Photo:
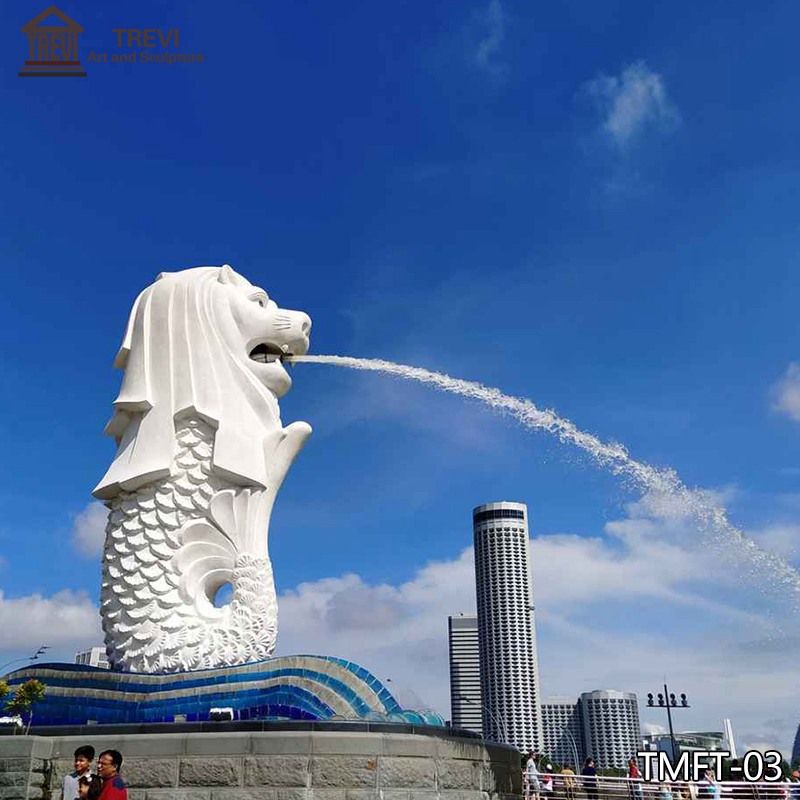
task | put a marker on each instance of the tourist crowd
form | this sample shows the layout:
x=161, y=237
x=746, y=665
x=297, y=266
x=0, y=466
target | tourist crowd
x=542, y=782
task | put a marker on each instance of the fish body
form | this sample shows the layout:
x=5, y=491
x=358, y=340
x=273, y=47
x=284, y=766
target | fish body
x=170, y=547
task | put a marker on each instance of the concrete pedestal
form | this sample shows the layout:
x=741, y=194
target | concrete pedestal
x=316, y=761
x=25, y=767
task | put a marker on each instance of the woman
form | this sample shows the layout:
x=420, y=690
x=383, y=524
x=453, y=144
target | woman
x=635, y=779
x=532, y=786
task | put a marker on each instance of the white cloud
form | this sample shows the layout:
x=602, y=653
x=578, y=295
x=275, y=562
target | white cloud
x=600, y=569
x=617, y=610
x=66, y=622
x=487, y=52
x=631, y=102
x=786, y=392
x=89, y=530
x=652, y=727
x=613, y=611
x=395, y=631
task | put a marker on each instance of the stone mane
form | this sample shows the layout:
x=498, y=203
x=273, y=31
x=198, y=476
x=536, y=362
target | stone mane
x=201, y=456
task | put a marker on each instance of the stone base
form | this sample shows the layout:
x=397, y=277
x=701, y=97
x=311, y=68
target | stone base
x=25, y=767
x=283, y=764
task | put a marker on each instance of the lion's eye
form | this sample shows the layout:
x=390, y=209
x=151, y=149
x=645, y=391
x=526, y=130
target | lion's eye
x=261, y=299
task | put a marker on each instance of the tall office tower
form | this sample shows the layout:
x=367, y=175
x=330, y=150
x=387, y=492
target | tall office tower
x=562, y=730
x=796, y=748
x=611, y=727
x=506, y=633
x=465, y=672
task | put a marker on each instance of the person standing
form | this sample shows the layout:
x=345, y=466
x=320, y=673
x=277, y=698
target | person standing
x=708, y=788
x=569, y=782
x=589, y=773
x=84, y=756
x=109, y=763
x=794, y=789
x=532, y=786
x=635, y=779
x=547, y=780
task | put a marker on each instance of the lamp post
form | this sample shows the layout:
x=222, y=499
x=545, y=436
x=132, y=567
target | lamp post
x=668, y=700
x=34, y=657
x=498, y=720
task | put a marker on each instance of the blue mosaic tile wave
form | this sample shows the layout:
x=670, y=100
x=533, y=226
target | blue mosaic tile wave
x=303, y=687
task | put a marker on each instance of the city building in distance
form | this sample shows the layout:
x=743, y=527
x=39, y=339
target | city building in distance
x=611, y=726
x=506, y=632
x=499, y=645
x=93, y=657
x=687, y=741
x=466, y=706
x=603, y=724
x=562, y=730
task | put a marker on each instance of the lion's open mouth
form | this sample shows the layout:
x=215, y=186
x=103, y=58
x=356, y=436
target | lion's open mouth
x=267, y=353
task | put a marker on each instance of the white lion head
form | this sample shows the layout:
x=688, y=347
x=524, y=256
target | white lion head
x=203, y=342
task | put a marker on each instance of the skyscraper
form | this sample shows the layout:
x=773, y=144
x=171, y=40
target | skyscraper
x=465, y=672
x=506, y=633
x=603, y=724
x=611, y=727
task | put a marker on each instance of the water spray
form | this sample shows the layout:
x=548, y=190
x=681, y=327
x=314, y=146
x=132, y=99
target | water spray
x=664, y=483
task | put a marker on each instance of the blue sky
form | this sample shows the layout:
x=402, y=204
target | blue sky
x=589, y=204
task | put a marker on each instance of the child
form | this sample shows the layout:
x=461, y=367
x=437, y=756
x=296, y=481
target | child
x=84, y=756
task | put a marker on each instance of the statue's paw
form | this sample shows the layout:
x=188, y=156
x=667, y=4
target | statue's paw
x=293, y=437
x=298, y=433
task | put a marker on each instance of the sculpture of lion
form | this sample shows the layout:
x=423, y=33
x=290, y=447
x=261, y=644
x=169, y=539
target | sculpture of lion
x=201, y=455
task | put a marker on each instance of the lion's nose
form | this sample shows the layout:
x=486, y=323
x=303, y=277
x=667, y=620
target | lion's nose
x=305, y=323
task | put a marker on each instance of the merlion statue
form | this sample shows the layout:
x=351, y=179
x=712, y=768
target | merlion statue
x=202, y=454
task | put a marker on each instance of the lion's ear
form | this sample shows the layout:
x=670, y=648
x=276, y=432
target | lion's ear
x=226, y=274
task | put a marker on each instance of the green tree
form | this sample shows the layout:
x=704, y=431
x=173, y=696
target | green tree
x=3, y=690
x=26, y=695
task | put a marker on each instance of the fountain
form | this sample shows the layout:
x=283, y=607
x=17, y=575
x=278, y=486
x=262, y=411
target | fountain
x=201, y=455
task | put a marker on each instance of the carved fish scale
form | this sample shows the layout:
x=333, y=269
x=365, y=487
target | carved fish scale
x=149, y=610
